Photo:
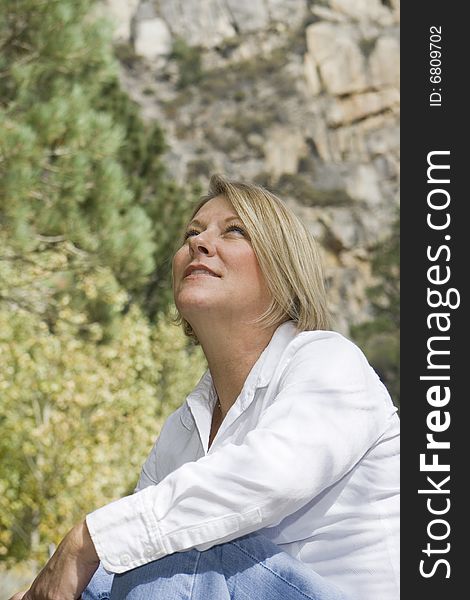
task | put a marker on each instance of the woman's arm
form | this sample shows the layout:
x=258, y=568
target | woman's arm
x=68, y=571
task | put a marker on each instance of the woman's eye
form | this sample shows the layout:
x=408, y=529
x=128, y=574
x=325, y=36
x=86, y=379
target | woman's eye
x=236, y=228
x=190, y=233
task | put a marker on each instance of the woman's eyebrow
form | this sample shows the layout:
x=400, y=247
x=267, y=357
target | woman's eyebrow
x=231, y=218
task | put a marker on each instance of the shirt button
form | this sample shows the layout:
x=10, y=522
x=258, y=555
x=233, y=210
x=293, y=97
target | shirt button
x=125, y=559
x=148, y=551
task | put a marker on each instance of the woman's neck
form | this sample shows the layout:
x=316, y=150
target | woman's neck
x=231, y=353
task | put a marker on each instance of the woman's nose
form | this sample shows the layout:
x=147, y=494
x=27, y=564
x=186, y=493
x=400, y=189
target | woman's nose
x=201, y=243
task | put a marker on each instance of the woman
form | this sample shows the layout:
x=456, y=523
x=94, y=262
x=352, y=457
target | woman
x=278, y=477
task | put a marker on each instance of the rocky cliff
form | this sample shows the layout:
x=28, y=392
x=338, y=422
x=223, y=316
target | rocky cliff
x=299, y=95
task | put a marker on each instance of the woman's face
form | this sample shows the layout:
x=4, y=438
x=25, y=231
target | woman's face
x=216, y=270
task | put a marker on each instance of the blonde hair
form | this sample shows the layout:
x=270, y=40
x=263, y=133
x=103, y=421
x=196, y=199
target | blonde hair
x=287, y=254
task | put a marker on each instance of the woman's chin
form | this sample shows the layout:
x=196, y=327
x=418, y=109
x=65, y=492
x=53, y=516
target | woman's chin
x=193, y=301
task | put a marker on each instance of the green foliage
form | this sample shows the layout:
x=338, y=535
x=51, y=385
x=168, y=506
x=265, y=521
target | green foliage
x=60, y=169
x=200, y=167
x=78, y=418
x=242, y=78
x=89, y=364
x=367, y=45
x=77, y=163
x=245, y=123
x=299, y=187
x=143, y=144
x=164, y=203
x=380, y=337
x=46, y=49
x=237, y=80
x=189, y=60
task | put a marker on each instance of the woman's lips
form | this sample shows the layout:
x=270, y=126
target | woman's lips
x=201, y=273
x=199, y=269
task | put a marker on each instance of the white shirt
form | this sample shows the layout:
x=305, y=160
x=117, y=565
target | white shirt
x=308, y=453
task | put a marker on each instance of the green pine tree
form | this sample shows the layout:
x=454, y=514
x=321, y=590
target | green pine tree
x=80, y=172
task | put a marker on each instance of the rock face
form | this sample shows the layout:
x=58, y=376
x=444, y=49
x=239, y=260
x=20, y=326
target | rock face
x=152, y=38
x=298, y=95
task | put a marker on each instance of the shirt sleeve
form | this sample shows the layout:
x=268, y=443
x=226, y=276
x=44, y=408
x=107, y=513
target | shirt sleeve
x=329, y=410
x=149, y=470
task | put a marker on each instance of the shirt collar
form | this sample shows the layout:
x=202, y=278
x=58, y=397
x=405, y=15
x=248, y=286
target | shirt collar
x=202, y=399
x=282, y=337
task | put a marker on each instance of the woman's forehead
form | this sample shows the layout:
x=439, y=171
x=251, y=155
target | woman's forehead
x=216, y=207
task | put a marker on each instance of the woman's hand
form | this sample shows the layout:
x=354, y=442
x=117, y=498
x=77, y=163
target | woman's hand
x=68, y=571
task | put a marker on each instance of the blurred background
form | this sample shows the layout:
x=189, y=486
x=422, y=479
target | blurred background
x=113, y=116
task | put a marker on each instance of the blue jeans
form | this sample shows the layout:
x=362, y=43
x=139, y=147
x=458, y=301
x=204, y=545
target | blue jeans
x=248, y=568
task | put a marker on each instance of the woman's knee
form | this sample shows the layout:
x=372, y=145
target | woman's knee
x=275, y=570
x=251, y=564
x=168, y=577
